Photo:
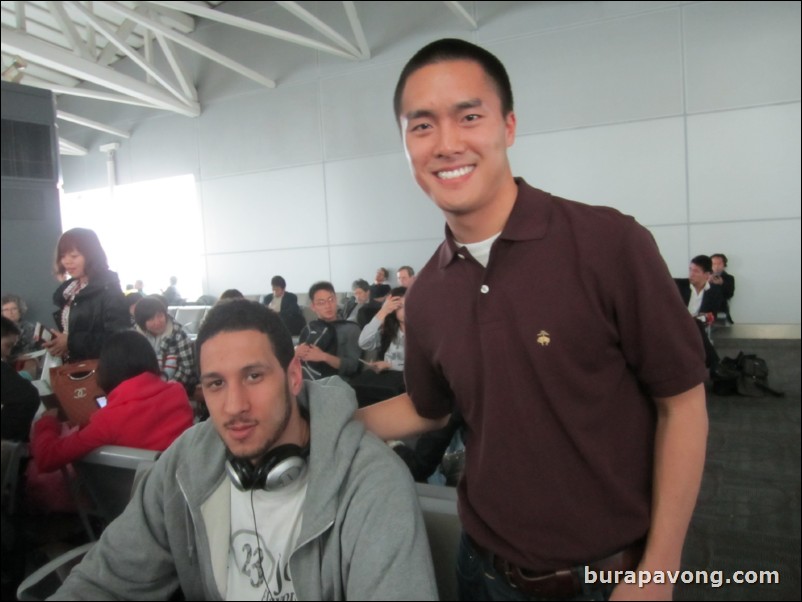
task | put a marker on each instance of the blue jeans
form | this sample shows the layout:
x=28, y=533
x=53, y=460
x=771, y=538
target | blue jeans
x=478, y=580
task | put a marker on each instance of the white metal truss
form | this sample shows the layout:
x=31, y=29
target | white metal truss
x=72, y=48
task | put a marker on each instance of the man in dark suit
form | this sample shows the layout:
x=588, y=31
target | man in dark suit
x=703, y=301
x=725, y=282
x=286, y=305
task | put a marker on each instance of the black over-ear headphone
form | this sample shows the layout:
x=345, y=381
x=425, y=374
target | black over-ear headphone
x=279, y=467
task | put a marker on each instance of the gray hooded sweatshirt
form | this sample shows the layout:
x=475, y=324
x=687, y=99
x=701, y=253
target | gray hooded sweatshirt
x=362, y=536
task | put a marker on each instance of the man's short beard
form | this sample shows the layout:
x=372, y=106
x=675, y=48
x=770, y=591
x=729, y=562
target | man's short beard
x=285, y=420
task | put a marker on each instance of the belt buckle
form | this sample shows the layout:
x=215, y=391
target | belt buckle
x=557, y=584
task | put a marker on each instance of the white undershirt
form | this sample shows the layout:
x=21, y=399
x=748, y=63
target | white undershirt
x=481, y=250
x=695, y=301
x=278, y=523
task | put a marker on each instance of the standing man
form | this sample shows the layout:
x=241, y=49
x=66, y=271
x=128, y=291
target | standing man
x=723, y=281
x=278, y=496
x=565, y=347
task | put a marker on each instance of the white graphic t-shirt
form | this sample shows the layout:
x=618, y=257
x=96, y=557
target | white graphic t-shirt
x=264, y=529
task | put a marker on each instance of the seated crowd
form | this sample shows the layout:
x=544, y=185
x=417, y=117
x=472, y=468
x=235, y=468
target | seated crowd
x=152, y=377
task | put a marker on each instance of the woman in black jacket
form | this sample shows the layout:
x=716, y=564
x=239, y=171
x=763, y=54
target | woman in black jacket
x=90, y=301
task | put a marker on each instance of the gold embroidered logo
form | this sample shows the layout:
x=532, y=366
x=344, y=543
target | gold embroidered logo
x=543, y=338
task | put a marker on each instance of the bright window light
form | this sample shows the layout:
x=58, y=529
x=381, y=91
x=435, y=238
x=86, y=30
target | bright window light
x=149, y=230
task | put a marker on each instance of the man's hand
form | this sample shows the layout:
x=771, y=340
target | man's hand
x=380, y=366
x=316, y=354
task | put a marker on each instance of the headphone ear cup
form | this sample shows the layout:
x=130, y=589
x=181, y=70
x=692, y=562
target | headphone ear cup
x=280, y=467
x=241, y=473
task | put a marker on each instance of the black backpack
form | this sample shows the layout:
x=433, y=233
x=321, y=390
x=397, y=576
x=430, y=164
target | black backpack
x=746, y=375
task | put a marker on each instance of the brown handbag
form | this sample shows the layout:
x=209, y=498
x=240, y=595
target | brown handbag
x=76, y=389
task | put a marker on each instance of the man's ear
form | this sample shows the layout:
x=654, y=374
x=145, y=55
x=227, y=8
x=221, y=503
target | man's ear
x=295, y=376
x=510, y=124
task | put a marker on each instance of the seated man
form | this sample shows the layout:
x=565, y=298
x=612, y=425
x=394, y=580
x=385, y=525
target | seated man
x=361, y=294
x=328, y=346
x=286, y=305
x=703, y=301
x=405, y=275
x=380, y=287
x=725, y=282
x=313, y=507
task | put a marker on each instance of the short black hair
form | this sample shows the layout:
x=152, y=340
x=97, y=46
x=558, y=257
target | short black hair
x=9, y=328
x=408, y=269
x=134, y=298
x=278, y=282
x=704, y=262
x=323, y=285
x=452, y=49
x=241, y=314
x=146, y=309
x=124, y=355
x=722, y=256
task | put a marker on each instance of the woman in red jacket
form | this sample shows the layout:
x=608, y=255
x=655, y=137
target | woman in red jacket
x=142, y=410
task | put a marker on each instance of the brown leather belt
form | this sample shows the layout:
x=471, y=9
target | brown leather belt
x=562, y=583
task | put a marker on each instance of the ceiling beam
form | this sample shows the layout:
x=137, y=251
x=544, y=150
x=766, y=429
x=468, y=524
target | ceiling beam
x=55, y=58
x=87, y=93
x=69, y=30
x=95, y=125
x=145, y=65
x=110, y=51
x=210, y=54
x=356, y=27
x=260, y=28
x=458, y=10
x=310, y=19
x=181, y=74
x=65, y=147
x=19, y=14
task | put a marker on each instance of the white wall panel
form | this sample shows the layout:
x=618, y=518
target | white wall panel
x=268, y=210
x=510, y=19
x=764, y=258
x=174, y=137
x=673, y=244
x=613, y=71
x=745, y=164
x=375, y=199
x=357, y=111
x=263, y=130
x=349, y=262
x=741, y=53
x=251, y=272
x=638, y=168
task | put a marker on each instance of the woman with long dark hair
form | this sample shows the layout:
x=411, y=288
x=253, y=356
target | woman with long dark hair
x=385, y=333
x=90, y=302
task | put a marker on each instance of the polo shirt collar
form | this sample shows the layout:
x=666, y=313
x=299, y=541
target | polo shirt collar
x=528, y=220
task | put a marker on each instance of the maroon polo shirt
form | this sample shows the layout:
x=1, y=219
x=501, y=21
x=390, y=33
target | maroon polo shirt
x=553, y=354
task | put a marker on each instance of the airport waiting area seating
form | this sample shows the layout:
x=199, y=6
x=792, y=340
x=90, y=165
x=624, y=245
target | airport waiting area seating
x=102, y=485
x=443, y=529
